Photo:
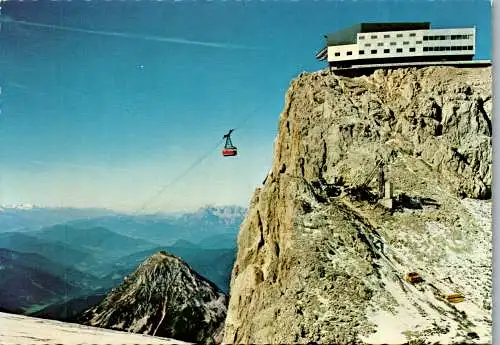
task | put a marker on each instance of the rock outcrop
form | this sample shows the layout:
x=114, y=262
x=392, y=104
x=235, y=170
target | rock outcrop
x=319, y=262
x=164, y=297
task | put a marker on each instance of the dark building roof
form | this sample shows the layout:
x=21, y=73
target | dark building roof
x=348, y=36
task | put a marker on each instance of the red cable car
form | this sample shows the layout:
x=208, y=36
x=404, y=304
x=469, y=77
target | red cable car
x=229, y=149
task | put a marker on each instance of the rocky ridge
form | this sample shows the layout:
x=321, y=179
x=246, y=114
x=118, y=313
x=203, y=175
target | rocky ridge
x=317, y=262
x=164, y=297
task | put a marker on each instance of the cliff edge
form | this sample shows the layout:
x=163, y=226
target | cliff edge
x=322, y=258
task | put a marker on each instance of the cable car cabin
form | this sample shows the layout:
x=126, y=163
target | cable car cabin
x=413, y=277
x=229, y=150
x=455, y=297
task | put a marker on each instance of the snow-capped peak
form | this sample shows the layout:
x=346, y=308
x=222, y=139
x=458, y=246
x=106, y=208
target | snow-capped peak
x=227, y=213
x=18, y=206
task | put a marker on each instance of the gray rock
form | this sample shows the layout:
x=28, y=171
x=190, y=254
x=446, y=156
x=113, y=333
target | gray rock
x=314, y=265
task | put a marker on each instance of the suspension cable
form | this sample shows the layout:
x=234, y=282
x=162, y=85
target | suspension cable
x=197, y=161
x=180, y=176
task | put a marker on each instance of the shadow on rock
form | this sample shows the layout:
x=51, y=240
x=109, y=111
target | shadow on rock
x=404, y=201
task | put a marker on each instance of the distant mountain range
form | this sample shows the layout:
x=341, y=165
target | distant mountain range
x=84, y=282
x=26, y=217
x=81, y=259
x=99, y=241
x=56, y=251
x=165, y=229
x=18, y=206
x=28, y=280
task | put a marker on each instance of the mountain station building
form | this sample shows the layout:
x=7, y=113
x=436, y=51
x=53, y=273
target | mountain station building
x=379, y=44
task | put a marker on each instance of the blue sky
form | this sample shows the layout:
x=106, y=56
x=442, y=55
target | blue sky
x=104, y=103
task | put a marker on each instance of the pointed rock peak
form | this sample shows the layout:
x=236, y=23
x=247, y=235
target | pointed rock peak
x=163, y=297
x=162, y=257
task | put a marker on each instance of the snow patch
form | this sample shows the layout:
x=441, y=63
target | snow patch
x=18, y=206
x=18, y=329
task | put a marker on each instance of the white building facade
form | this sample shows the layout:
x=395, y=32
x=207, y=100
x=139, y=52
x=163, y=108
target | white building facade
x=397, y=42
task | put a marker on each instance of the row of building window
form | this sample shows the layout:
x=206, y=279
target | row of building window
x=430, y=49
x=362, y=37
x=412, y=50
x=386, y=51
x=426, y=37
x=447, y=37
x=381, y=44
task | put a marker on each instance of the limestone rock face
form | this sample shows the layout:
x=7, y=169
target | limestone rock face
x=316, y=264
x=163, y=297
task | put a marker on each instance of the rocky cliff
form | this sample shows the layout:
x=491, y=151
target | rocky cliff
x=321, y=257
x=166, y=298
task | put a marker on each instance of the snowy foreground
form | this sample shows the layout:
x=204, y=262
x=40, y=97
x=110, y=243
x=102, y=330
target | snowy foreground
x=19, y=329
